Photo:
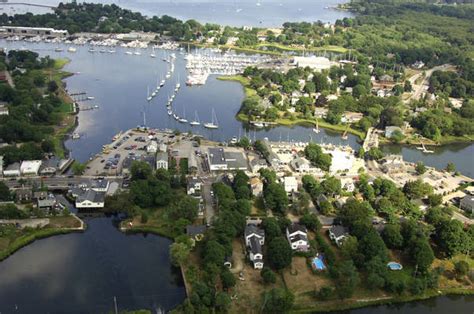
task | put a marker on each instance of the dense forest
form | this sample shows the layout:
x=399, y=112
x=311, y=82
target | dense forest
x=33, y=104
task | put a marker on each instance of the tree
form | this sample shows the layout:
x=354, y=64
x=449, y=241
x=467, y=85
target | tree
x=213, y=253
x=451, y=237
x=140, y=170
x=244, y=142
x=278, y=300
x=268, y=275
x=5, y=195
x=461, y=268
x=311, y=222
x=52, y=86
x=315, y=155
x=417, y=189
x=375, y=153
x=371, y=245
x=392, y=236
x=275, y=197
x=279, y=253
x=78, y=168
x=450, y=167
x=227, y=278
x=420, y=253
x=346, y=278
x=271, y=227
x=222, y=302
x=179, y=253
x=331, y=186
x=407, y=87
x=435, y=199
x=420, y=168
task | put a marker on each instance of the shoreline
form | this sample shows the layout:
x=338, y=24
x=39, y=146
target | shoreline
x=359, y=304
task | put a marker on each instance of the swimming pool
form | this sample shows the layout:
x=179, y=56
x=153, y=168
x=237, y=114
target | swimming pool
x=318, y=263
x=394, y=266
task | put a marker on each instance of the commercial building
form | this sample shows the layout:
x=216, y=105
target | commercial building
x=32, y=31
x=315, y=63
x=12, y=170
x=30, y=167
x=219, y=159
x=90, y=199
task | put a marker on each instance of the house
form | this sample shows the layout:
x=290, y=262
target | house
x=47, y=203
x=338, y=234
x=12, y=170
x=257, y=163
x=24, y=195
x=4, y=110
x=256, y=185
x=290, y=184
x=297, y=236
x=196, y=232
x=101, y=185
x=320, y=112
x=49, y=166
x=90, y=199
x=340, y=202
x=152, y=147
x=162, y=160
x=30, y=167
x=393, y=164
x=390, y=130
x=301, y=165
x=386, y=79
x=467, y=203
x=351, y=117
x=254, y=239
x=193, y=186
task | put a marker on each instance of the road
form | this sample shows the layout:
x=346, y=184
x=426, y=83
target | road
x=208, y=200
x=419, y=89
x=57, y=182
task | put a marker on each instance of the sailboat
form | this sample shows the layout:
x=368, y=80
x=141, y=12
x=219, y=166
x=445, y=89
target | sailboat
x=213, y=124
x=316, y=129
x=137, y=53
x=153, y=52
x=196, y=119
x=148, y=94
x=162, y=83
x=170, y=112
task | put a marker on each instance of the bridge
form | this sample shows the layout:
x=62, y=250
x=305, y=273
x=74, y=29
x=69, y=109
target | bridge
x=371, y=140
x=55, y=183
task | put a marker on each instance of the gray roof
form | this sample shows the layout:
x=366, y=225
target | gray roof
x=235, y=160
x=162, y=156
x=47, y=202
x=216, y=156
x=92, y=196
x=13, y=166
x=192, y=230
x=50, y=163
x=99, y=184
x=338, y=231
x=295, y=227
x=255, y=246
x=253, y=229
x=468, y=200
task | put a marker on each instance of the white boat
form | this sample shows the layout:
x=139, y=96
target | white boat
x=91, y=50
x=153, y=94
x=175, y=116
x=102, y=51
x=153, y=53
x=168, y=75
x=111, y=51
x=170, y=112
x=195, y=122
x=213, y=124
x=137, y=53
x=258, y=124
x=316, y=129
x=76, y=136
x=149, y=98
x=58, y=49
x=90, y=97
x=128, y=53
x=71, y=49
x=233, y=140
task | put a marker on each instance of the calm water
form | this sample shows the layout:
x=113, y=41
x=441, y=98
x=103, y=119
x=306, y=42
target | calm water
x=268, y=13
x=82, y=272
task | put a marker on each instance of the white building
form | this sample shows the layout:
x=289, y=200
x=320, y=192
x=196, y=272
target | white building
x=4, y=110
x=33, y=31
x=297, y=236
x=90, y=199
x=315, y=63
x=12, y=170
x=290, y=184
x=254, y=239
x=162, y=160
x=30, y=167
x=338, y=234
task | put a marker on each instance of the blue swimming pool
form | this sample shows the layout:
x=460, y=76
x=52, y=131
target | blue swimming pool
x=394, y=266
x=318, y=263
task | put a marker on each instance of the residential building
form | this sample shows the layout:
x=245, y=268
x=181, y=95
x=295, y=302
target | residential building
x=4, y=110
x=290, y=184
x=13, y=170
x=393, y=164
x=320, y=112
x=256, y=185
x=162, y=160
x=254, y=239
x=194, y=186
x=351, y=117
x=338, y=234
x=152, y=147
x=49, y=166
x=90, y=199
x=467, y=203
x=301, y=165
x=257, y=163
x=196, y=232
x=297, y=236
x=23, y=195
x=48, y=203
x=30, y=167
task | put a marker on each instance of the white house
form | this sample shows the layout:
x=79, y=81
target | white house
x=30, y=167
x=338, y=234
x=290, y=184
x=162, y=160
x=193, y=186
x=90, y=199
x=254, y=239
x=297, y=236
x=152, y=147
